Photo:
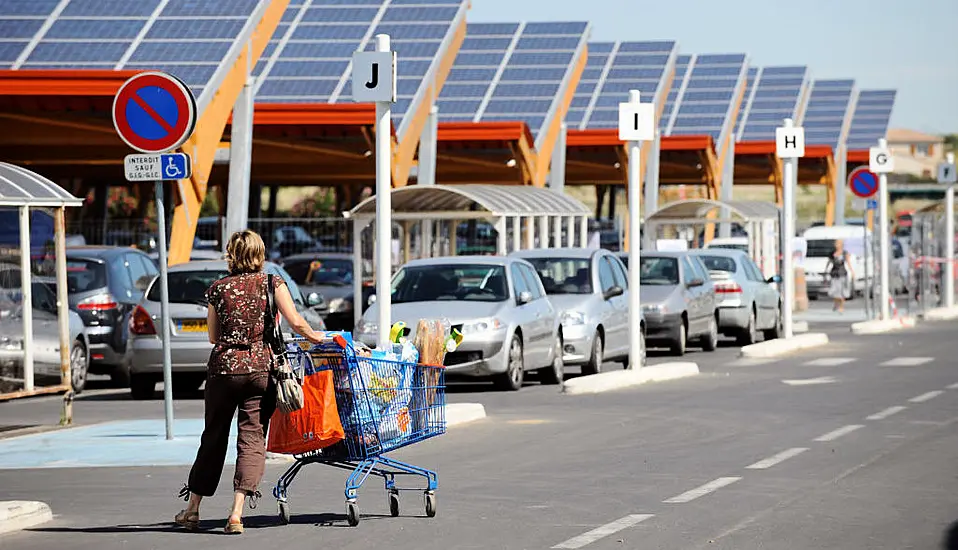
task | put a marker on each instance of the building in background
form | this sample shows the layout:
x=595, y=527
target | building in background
x=916, y=153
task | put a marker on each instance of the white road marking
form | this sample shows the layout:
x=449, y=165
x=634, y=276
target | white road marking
x=780, y=457
x=811, y=381
x=926, y=396
x=907, y=361
x=604, y=531
x=886, y=413
x=709, y=487
x=829, y=361
x=953, y=387
x=835, y=434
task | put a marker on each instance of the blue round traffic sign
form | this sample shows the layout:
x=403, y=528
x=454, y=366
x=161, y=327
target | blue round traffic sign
x=154, y=112
x=863, y=182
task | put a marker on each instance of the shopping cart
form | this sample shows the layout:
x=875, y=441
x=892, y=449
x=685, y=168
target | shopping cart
x=383, y=405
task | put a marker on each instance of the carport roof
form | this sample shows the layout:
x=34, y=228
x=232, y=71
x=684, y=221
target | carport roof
x=434, y=201
x=695, y=209
x=21, y=187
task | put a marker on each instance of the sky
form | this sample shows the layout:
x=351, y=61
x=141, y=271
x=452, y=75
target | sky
x=907, y=45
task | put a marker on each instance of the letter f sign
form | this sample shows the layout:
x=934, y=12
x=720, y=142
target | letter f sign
x=374, y=79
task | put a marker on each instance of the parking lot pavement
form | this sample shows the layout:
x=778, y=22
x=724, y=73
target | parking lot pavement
x=745, y=455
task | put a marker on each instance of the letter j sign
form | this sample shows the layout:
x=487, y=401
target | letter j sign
x=374, y=77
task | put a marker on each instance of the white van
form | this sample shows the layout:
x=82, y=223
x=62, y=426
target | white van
x=821, y=244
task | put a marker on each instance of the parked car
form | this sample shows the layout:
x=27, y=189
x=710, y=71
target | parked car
x=733, y=243
x=331, y=276
x=189, y=338
x=195, y=255
x=678, y=300
x=46, y=336
x=590, y=290
x=104, y=285
x=747, y=302
x=499, y=305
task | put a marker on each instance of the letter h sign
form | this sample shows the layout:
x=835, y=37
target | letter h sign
x=790, y=142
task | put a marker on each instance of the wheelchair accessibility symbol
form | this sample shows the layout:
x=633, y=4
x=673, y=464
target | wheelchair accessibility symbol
x=176, y=166
x=164, y=167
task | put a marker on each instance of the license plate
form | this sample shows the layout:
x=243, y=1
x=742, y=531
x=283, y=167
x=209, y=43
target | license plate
x=191, y=326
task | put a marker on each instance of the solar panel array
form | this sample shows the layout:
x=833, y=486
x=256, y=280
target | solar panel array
x=512, y=72
x=309, y=57
x=187, y=38
x=613, y=69
x=827, y=112
x=750, y=79
x=870, y=122
x=778, y=95
x=710, y=95
x=678, y=84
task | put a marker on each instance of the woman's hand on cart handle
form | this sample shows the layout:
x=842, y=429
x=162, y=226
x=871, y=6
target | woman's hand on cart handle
x=316, y=337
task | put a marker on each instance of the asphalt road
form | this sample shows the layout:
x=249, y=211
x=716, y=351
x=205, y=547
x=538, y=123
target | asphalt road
x=850, y=446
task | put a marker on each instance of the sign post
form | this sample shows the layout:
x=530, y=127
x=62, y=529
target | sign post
x=374, y=80
x=882, y=163
x=864, y=185
x=947, y=175
x=636, y=124
x=789, y=146
x=155, y=113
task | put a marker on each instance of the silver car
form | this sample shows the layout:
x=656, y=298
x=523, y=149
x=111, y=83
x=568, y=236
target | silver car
x=747, y=301
x=678, y=300
x=499, y=305
x=590, y=290
x=189, y=339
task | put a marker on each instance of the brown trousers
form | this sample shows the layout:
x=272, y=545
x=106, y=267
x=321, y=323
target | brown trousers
x=255, y=397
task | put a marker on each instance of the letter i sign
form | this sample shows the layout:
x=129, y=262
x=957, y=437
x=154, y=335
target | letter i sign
x=790, y=142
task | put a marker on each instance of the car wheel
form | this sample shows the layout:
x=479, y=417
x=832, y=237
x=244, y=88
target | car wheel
x=554, y=373
x=594, y=366
x=678, y=346
x=710, y=340
x=511, y=380
x=79, y=364
x=749, y=335
x=142, y=386
x=776, y=331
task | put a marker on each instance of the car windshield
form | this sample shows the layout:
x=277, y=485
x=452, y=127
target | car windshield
x=820, y=248
x=430, y=283
x=320, y=271
x=730, y=246
x=85, y=275
x=564, y=275
x=625, y=260
x=719, y=263
x=187, y=287
x=659, y=271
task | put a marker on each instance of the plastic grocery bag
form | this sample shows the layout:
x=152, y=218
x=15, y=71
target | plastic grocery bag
x=315, y=426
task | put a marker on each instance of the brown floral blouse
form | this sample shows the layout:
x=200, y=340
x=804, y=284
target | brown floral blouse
x=240, y=305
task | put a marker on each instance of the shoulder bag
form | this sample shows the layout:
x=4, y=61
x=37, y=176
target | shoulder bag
x=289, y=389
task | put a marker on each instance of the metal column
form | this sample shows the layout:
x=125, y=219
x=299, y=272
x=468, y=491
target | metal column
x=557, y=176
x=652, y=176
x=583, y=231
x=383, y=209
x=241, y=150
x=543, y=231
x=501, y=236
x=427, y=170
x=516, y=233
x=728, y=182
x=570, y=231
x=26, y=298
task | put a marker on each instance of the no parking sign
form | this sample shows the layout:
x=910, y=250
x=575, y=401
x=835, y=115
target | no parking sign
x=154, y=112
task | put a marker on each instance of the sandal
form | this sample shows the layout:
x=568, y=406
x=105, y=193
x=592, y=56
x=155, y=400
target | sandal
x=187, y=519
x=233, y=528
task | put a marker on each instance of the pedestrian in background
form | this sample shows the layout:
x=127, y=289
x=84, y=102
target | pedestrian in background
x=238, y=376
x=841, y=274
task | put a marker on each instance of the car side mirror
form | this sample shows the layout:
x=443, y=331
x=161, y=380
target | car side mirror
x=525, y=297
x=774, y=279
x=371, y=300
x=314, y=299
x=613, y=292
x=143, y=283
x=695, y=282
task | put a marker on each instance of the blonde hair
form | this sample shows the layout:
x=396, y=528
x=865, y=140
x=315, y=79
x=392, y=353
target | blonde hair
x=245, y=253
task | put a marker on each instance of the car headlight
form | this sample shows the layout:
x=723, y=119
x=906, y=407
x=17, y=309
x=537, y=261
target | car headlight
x=481, y=325
x=572, y=318
x=339, y=304
x=365, y=327
x=655, y=308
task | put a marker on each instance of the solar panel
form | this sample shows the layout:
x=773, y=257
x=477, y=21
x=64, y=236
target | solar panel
x=512, y=72
x=310, y=59
x=710, y=95
x=678, y=83
x=778, y=95
x=872, y=115
x=612, y=70
x=749, y=89
x=188, y=38
x=828, y=111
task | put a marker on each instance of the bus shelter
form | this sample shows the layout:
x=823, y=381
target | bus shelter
x=33, y=348
x=759, y=220
x=427, y=221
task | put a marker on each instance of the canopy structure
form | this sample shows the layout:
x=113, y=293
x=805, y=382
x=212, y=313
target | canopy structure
x=25, y=190
x=416, y=208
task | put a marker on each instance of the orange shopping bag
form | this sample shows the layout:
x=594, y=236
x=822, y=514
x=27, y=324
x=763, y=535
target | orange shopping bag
x=315, y=426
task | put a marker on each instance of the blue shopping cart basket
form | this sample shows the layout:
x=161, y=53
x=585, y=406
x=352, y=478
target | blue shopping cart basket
x=383, y=405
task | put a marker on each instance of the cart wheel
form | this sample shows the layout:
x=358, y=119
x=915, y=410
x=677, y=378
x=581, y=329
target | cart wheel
x=352, y=513
x=394, y=504
x=430, y=504
x=283, y=512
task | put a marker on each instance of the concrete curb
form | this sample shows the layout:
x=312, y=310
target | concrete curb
x=22, y=514
x=878, y=326
x=941, y=314
x=616, y=380
x=782, y=346
x=799, y=327
x=463, y=413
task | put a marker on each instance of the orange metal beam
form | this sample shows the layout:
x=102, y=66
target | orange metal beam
x=62, y=82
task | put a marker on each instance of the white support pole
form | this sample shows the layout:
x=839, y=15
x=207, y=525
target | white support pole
x=358, y=272
x=583, y=231
x=427, y=170
x=652, y=176
x=530, y=228
x=164, y=308
x=570, y=231
x=26, y=298
x=950, y=238
x=543, y=231
x=635, y=216
x=501, y=236
x=728, y=181
x=789, y=183
x=383, y=210
x=557, y=176
x=557, y=231
x=516, y=233
x=885, y=244
x=241, y=150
